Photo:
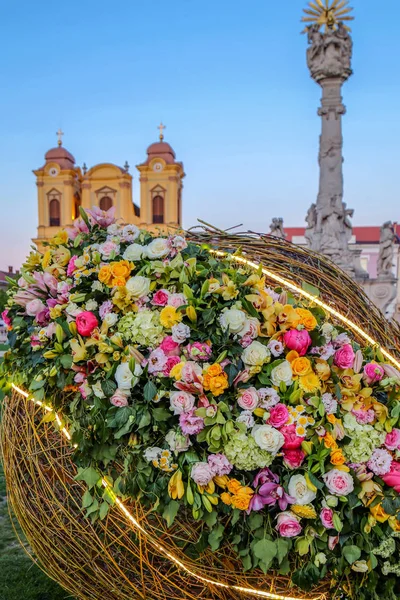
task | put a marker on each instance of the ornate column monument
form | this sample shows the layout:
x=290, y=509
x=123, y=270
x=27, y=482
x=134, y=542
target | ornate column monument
x=329, y=54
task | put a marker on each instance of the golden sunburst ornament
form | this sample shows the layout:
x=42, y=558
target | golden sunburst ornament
x=328, y=13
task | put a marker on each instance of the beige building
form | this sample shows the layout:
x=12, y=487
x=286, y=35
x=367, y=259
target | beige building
x=63, y=187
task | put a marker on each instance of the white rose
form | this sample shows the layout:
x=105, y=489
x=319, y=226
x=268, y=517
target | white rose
x=180, y=333
x=138, y=286
x=256, y=355
x=177, y=441
x=268, y=438
x=251, y=328
x=134, y=252
x=110, y=319
x=282, y=373
x=73, y=309
x=97, y=390
x=158, y=248
x=125, y=378
x=91, y=305
x=151, y=454
x=233, y=319
x=299, y=489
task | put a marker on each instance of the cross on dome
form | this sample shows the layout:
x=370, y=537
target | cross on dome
x=161, y=127
x=59, y=134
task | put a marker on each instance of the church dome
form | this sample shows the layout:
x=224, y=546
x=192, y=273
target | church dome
x=61, y=156
x=161, y=150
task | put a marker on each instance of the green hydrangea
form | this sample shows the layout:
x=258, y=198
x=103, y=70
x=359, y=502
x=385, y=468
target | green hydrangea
x=142, y=328
x=386, y=548
x=364, y=440
x=243, y=452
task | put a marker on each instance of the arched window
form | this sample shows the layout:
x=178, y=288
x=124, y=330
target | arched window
x=106, y=202
x=158, y=209
x=54, y=212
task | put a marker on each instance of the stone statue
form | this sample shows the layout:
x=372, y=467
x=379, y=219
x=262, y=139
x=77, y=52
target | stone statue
x=329, y=54
x=386, y=250
x=276, y=228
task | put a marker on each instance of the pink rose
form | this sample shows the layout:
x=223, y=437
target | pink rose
x=344, y=357
x=326, y=516
x=34, y=307
x=297, y=340
x=373, y=373
x=86, y=322
x=71, y=266
x=201, y=473
x=392, y=479
x=169, y=347
x=248, y=399
x=177, y=300
x=338, y=482
x=293, y=459
x=181, y=402
x=292, y=440
x=171, y=362
x=279, y=415
x=160, y=298
x=119, y=398
x=198, y=351
x=288, y=525
x=108, y=248
x=392, y=440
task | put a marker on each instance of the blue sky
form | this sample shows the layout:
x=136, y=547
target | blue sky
x=229, y=79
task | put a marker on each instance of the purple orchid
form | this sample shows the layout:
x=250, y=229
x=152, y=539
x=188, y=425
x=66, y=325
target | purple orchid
x=270, y=492
x=104, y=218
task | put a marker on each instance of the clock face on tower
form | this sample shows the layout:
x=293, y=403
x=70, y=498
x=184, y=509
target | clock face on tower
x=53, y=172
x=157, y=167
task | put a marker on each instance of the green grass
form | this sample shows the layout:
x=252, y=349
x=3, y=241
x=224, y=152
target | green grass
x=20, y=578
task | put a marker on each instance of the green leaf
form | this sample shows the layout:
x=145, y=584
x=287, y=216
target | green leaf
x=282, y=549
x=161, y=414
x=352, y=554
x=389, y=507
x=210, y=519
x=104, y=508
x=215, y=537
x=316, y=481
x=265, y=551
x=149, y=391
x=84, y=216
x=89, y=475
x=170, y=512
x=87, y=499
x=92, y=508
x=66, y=361
x=247, y=564
x=108, y=386
x=127, y=428
x=255, y=521
x=249, y=308
x=310, y=289
x=144, y=420
x=49, y=417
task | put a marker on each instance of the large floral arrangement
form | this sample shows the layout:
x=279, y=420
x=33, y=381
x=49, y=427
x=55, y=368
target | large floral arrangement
x=191, y=384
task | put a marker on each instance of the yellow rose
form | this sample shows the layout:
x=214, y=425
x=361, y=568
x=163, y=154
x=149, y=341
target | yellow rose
x=292, y=355
x=323, y=369
x=214, y=370
x=337, y=457
x=233, y=486
x=307, y=319
x=169, y=316
x=105, y=274
x=60, y=238
x=301, y=366
x=309, y=383
x=122, y=268
x=61, y=256
x=329, y=441
x=118, y=282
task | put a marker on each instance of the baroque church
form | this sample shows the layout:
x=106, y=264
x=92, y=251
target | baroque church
x=63, y=187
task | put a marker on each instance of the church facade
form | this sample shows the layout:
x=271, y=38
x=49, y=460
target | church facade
x=63, y=187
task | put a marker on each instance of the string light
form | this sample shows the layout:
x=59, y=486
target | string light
x=157, y=545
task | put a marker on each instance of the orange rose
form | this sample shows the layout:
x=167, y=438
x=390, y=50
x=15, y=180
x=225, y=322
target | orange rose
x=307, y=319
x=337, y=457
x=292, y=355
x=233, y=486
x=105, y=275
x=226, y=498
x=122, y=268
x=214, y=370
x=241, y=501
x=118, y=282
x=330, y=441
x=301, y=366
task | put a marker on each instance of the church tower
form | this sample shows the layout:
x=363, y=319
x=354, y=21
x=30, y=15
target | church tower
x=59, y=195
x=161, y=186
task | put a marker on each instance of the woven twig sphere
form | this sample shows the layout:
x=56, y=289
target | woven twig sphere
x=111, y=559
